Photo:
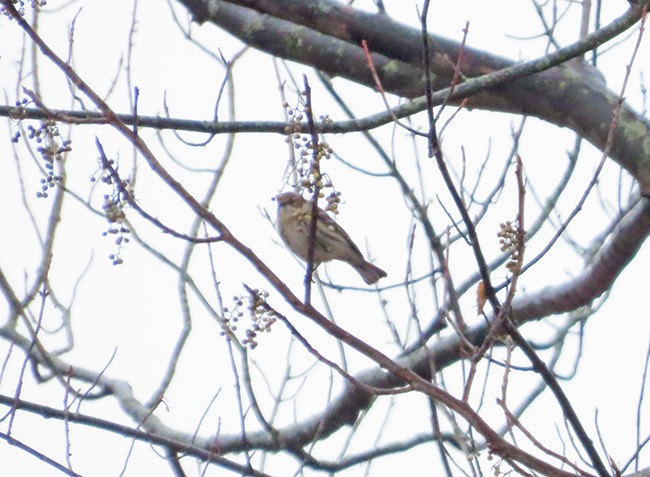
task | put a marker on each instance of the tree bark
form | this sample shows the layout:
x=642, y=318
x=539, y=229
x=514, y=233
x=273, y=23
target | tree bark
x=327, y=35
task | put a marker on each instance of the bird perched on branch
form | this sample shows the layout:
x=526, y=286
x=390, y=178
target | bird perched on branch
x=331, y=242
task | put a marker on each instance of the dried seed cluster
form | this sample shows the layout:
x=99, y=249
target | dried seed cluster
x=509, y=240
x=114, y=204
x=261, y=314
x=310, y=154
x=232, y=317
x=19, y=5
x=51, y=148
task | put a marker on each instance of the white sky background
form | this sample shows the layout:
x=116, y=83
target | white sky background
x=132, y=309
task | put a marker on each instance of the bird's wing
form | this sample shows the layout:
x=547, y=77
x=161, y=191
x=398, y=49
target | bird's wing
x=335, y=231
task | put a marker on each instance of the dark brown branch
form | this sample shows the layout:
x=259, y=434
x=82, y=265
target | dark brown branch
x=623, y=245
x=395, y=373
x=125, y=431
x=40, y=456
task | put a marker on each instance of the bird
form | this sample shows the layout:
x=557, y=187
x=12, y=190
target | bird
x=331, y=242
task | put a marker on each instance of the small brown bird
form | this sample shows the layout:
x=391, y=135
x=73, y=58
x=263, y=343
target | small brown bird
x=331, y=241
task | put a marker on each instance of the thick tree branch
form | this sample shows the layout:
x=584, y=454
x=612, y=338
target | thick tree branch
x=416, y=368
x=598, y=277
x=326, y=34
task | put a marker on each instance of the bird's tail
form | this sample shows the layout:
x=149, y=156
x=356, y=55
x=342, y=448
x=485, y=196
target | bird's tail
x=369, y=272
